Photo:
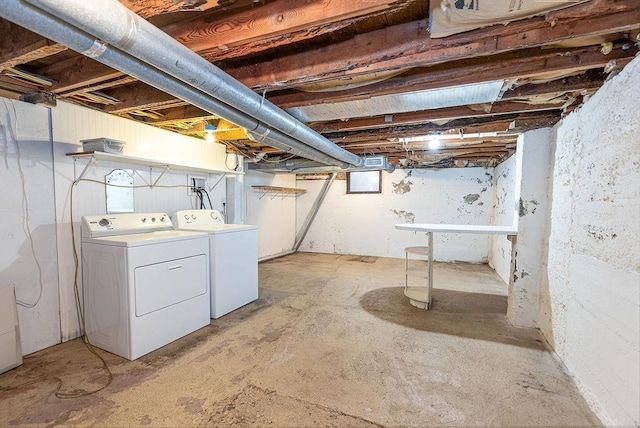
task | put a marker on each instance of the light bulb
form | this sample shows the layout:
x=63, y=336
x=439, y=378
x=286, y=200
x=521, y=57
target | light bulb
x=434, y=144
x=208, y=130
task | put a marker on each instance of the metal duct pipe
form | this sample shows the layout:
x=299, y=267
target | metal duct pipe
x=52, y=28
x=303, y=166
x=112, y=22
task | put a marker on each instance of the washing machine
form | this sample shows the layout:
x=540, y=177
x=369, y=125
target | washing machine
x=234, y=258
x=144, y=283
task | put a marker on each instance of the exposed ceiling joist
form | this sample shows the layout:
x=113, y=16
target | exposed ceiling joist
x=301, y=54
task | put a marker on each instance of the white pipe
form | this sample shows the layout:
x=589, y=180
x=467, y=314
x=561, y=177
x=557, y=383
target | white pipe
x=112, y=22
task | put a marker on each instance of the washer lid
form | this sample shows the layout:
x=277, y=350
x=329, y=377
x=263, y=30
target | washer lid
x=220, y=228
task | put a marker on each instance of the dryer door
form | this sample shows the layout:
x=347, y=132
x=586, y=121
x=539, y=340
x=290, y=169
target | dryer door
x=160, y=285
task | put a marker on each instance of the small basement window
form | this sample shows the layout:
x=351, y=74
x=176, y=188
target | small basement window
x=364, y=182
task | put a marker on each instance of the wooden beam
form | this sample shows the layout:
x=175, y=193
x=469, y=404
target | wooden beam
x=19, y=46
x=409, y=45
x=100, y=86
x=187, y=112
x=590, y=80
x=140, y=96
x=278, y=18
x=273, y=24
x=501, y=141
x=512, y=66
x=149, y=8
x=468, y=125
x=435, y=115
x=77, y=72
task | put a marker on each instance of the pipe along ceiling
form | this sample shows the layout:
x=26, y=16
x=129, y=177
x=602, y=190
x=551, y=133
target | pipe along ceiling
x=108, y=32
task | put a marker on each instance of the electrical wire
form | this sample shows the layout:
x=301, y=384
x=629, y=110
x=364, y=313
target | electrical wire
x=235, y=168
x=208, y=198
x=76, y=288
x=83, y=329
x=200, y=197
x=13, y=135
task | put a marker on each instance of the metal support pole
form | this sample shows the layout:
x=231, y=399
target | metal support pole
x=314, y=210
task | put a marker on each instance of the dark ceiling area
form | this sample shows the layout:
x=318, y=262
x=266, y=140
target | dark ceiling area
x=373, y=77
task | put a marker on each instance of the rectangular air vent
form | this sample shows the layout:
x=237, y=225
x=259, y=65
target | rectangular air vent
x=376, y=162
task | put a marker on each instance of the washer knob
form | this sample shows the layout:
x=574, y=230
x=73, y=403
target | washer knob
x=162, y=218
x=153, y=219
x=193, y=216
x=104, y=222
x=144, y=219
x=214, y=215
x=186, y=216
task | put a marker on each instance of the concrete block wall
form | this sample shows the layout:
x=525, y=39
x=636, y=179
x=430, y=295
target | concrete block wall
x=363, y=224
x=530, y=269
x=591, y=310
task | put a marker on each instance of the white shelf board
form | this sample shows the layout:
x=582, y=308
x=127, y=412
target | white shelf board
x=113, y=157
x=459, y=228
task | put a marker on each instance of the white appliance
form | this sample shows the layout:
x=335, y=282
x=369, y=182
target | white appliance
x=144, y=284
x=10, y=346
x=234, y=258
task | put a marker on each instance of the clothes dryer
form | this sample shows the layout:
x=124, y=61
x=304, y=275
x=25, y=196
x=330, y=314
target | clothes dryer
x=144, y=283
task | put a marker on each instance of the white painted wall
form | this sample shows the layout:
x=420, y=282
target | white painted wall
x=28, y=227
x=536, y=148
x=48, y=171
x=363, y=224
x=275, y=215
x=593, y=300
x=505, y=213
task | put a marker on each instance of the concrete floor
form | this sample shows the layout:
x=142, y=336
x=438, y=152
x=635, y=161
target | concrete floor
x=332, y=341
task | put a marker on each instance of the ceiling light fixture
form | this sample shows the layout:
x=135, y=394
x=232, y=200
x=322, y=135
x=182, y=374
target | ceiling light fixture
x=209, y=130
x=434, y=144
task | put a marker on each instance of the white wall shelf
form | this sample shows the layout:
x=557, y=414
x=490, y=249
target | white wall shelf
x=94, y=157
x=278, y=191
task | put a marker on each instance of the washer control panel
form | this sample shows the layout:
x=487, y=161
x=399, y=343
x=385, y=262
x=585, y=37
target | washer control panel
x=197, y=218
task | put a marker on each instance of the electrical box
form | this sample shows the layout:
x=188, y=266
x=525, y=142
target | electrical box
x=195, y=182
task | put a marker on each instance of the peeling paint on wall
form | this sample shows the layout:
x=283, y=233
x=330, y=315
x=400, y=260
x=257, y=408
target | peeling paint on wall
x=527, y=207
x=471, y=198
x=402, y=187
x=599, y=233
x=404, y=215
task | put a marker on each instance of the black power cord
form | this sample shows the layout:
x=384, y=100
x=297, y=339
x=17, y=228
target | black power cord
x=208, y=198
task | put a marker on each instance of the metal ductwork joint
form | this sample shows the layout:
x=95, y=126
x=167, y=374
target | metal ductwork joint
x=112, y=22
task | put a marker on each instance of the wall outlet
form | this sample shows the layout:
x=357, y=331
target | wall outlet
x=195, y=182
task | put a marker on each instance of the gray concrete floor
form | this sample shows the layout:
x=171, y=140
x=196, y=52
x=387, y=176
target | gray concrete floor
x=332, y=341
